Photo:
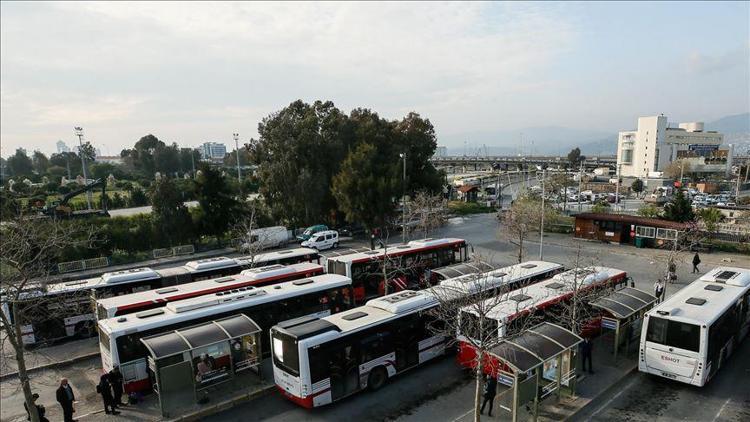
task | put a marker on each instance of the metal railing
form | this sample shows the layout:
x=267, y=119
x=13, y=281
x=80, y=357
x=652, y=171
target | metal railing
x=175, y=251
x=84, y=264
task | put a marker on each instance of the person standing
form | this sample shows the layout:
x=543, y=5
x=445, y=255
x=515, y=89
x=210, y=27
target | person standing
x=490, y=391
x=696, y=261
x=66, y=398
x=658, y=290
x=115, y=378
x=586, y=350
x=40, y=410
x=105, y=389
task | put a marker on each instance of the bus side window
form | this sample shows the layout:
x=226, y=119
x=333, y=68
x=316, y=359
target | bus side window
x=375, y=346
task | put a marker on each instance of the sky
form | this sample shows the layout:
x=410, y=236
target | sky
x=196, y=72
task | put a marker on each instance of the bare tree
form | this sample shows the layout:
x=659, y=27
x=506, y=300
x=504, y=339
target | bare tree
x=249, y=239
x=29, y=248
x=522, y=218
x=427, y=212
x=468, y=308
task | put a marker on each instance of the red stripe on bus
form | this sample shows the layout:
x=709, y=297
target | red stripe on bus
x=397, y=253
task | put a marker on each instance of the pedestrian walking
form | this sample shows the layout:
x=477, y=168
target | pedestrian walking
x=490, y=391
x=672, y=272
x=586, y=349
x=66, y=398
x=115, y=378
x=40, y=410
x=105, y=389
x=696, y=261
x=658, y=290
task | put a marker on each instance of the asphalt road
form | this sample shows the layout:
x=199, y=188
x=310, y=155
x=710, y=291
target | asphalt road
x=643, y=397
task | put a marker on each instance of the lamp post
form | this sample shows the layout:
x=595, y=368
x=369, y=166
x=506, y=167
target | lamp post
x=236, y=137
x=79, y=133
x=541, y=226
x=403, y=201
x=617, y=189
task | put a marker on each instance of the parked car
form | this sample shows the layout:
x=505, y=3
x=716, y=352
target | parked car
x=326, y=239
x=351, y=230
x=311, y=231
x=266, y=237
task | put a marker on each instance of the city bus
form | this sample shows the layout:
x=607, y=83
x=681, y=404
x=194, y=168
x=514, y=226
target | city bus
x=690, y=336
x=119, y=337
x=406, y=265
x=320, y=360
x=149, y=299
x=61, y=310
x=521, y=308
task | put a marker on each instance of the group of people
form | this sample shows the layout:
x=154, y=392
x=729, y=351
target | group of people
x=672, y=277
x=109, y=387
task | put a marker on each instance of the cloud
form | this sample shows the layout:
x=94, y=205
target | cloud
x=702, y=63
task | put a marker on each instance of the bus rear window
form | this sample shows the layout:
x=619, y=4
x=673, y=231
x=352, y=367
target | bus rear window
x=674, y=334
x=285, y=354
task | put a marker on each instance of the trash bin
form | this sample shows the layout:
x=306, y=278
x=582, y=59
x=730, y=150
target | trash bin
x=639, y=242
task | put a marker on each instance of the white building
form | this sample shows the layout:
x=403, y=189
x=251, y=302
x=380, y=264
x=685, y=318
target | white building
x=213, y=151
x=62, y=147
x=647, y=151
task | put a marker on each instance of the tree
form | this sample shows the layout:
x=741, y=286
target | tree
x=677, y=168
x=150, y=155
x=67, y=160
x=679, y=208
x=170, y=217
x=29, y=249
x=20, y=164
x=427, y=211
x=218, y=207
x=366, y=187
x=575, y=158
x=710, y=217
x=523, y=217
x=40, y=162
x=601, y=206
x=88, y=151
x=138, y=198
x=637, y=186
x=649, y=211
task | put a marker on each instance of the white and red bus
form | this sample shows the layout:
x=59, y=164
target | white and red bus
x=60, y=310
x=690, y=336
x=149, y=299
x=119, y=337
x=407, y=265
x=542, y=300
x=320, y=360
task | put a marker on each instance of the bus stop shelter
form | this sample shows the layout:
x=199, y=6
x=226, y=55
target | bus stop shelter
x=188, y=365
x=622, y=312
x=535, y=364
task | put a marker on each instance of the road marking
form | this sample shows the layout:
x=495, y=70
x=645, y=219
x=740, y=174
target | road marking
x=722, y=409
x=463, y=416
x=613, y=398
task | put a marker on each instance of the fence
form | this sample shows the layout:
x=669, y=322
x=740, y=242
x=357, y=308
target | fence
x=175, y=251
x=84, y=264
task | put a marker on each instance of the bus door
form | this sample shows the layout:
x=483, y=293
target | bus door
x=405, y=342
x=344, y=372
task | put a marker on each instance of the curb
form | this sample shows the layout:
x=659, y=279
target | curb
x=223, y=405
x=51, y=365
x=607, y=390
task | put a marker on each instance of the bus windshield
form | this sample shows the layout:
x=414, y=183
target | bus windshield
x=285, y=354
x=674, y=334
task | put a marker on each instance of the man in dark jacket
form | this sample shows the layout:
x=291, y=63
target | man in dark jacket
x=696, y=261
x=115, y=378
x=105, y=389
x=490, y=391
x=40, y=410
x=66, y=398
x=586, y=350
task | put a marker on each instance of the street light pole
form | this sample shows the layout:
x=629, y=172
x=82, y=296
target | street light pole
x=236, y=137
x=541, y=226
x=79, y=133
x=403, y=201
x=580, y=185
x=617, y=189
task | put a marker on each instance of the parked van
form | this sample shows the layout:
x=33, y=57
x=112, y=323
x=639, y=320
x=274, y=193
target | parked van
x=311, y=231
x=322, y=240
x=266, y=237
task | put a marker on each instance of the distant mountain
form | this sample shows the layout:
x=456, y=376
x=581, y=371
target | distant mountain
x=738, y=123
x=545, y=140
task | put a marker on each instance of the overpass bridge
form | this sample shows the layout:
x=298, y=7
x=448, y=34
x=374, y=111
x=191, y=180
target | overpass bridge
x=479, y=163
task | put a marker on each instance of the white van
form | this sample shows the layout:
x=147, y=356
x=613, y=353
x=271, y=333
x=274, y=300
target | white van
x=322, y=240
x=266, y=237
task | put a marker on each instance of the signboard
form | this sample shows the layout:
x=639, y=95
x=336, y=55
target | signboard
x=505, y=378
x=609, y=323
x=609, y=234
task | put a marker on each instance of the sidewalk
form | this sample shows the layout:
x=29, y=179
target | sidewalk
x=45, y=357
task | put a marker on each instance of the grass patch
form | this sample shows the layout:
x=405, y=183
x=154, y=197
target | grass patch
x=466, y=208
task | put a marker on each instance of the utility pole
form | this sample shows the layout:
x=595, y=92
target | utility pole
x=617, y=189
x=236, y=137
x=192, y=160
x=580, y=185
x=737, y=189
x=682, y=170
x=403, y=201
x=541, y=226
x=79, y=133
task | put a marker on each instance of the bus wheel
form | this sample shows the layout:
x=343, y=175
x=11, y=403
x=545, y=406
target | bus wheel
x=377, y=378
